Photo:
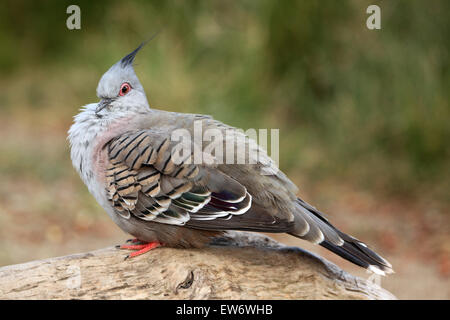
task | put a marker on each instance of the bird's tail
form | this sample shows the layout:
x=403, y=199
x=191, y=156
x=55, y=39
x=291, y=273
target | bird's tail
x=320, y=231
x=357, y=252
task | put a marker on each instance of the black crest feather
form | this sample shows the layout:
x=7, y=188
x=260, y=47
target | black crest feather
x=129, y=58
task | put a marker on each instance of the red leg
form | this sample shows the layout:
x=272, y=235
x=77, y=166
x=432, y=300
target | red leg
x=140, y=248
x=133, y=246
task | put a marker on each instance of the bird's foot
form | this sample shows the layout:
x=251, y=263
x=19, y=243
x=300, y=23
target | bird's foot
x=140, y=248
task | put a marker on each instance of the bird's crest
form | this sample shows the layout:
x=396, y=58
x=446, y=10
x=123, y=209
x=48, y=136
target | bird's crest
x=129, y=58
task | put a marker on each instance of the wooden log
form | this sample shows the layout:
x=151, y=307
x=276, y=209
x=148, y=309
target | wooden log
x=241, y=266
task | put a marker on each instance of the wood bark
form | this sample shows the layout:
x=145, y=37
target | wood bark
x=241, y=266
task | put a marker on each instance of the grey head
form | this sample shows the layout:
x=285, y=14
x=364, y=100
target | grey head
x=120, y=89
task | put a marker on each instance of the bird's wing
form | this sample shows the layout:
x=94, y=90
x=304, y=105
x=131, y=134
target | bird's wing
x=144, y=180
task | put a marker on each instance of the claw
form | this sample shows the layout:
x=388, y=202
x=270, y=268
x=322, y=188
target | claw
x=133, y=240
x=140, y=248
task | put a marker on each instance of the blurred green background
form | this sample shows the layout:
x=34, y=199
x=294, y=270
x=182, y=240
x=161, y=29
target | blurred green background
x=363, y=114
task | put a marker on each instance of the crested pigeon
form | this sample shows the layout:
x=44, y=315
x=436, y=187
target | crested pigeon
x=124, y=152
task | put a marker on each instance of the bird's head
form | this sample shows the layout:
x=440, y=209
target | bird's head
x=120, y=90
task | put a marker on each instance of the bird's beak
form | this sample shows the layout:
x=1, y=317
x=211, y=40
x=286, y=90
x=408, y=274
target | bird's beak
x=102, y=105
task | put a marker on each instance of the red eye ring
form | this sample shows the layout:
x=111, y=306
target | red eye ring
x=124, y=89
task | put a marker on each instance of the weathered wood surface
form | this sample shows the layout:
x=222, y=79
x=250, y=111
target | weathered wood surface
x=244, y=266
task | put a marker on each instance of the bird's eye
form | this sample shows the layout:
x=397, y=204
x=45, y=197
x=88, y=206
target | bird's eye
x=124, y=89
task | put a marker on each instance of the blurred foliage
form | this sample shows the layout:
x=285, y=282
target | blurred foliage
x=367, y=106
